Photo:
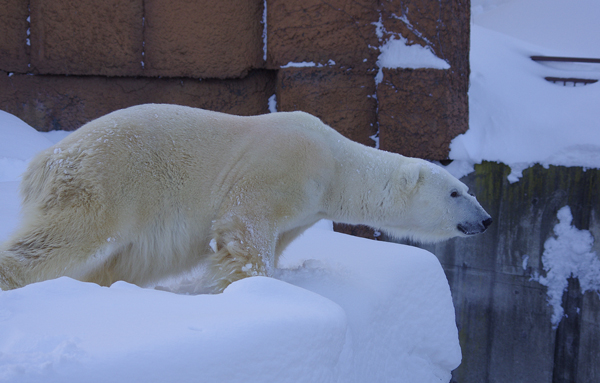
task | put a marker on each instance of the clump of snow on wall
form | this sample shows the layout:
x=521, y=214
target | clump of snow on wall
x=396, y=53
x=273, y=104
x=569, y=254
x=307, y=64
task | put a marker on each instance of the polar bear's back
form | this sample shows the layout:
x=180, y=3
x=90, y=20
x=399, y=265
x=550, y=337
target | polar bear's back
x=154, y=154
x=150, y=180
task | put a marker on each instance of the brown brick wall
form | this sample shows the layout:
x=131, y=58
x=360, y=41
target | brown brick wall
x=14, y=51
x=56, y=102
x=86, y=37
x=318, y=31
x=406, y=98
x=203, y=38
x=340, y=98
x=87, y=58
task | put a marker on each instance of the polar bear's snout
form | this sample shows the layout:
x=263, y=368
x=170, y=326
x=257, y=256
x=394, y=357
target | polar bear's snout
x=472, y=228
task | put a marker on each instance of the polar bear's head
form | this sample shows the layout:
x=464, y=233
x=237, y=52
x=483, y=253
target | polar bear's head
x=435, y=205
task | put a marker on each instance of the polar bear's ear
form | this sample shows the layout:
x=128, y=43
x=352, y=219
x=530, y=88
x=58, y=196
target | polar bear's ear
x=410, y=175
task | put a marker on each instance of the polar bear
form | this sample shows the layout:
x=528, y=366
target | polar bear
x=154, y=190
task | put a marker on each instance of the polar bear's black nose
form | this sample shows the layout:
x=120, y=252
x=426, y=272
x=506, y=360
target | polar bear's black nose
x=486, y=223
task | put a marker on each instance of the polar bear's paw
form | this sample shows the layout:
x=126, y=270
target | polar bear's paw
x=231, y=262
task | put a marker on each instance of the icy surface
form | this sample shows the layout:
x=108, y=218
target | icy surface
x=341, y=309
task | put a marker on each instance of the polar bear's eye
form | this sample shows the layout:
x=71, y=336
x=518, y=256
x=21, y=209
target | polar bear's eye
x=454, y=194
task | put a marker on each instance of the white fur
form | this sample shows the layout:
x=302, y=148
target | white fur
x=154, y=190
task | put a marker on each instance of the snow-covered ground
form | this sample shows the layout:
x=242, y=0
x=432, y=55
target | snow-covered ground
x=341, y=309
x=516, y=117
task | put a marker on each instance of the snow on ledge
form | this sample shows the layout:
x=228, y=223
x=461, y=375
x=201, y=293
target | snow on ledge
x=518, y=118
x=396, y=53
x=306, y=64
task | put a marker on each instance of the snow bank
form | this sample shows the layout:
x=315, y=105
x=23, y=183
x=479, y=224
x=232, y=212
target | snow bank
x=354, y=311
x=19, y=142
x=517, y=117
x=341, y=309
x=259, y=329
x=396, y=299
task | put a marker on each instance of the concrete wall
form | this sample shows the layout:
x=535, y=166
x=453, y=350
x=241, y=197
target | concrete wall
x=503, y=316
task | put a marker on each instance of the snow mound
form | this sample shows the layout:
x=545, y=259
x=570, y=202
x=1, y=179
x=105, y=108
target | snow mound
x=18, y=143
x=518, y=118
x=19, y=140
x=344, y=309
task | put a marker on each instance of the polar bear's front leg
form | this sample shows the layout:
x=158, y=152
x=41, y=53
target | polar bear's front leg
x=242, y=248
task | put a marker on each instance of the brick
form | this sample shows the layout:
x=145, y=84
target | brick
x=14, y=55
x=204, y=38
x=318, y=31
x=420, y=112
x=342, y=99
x=86, y=37
x=66, y=103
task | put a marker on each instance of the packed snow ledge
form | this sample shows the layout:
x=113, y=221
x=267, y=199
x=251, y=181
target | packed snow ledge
x=516, y=117
x=341, y=309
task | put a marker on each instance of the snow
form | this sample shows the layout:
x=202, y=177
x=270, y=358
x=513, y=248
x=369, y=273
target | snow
x=396, y=52
x=516, y=117
x=307, y=64
x=569, y=254
x=273, y=104
x=340, y=309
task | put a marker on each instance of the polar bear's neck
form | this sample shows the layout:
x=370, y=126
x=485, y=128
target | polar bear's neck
x=360, y=192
